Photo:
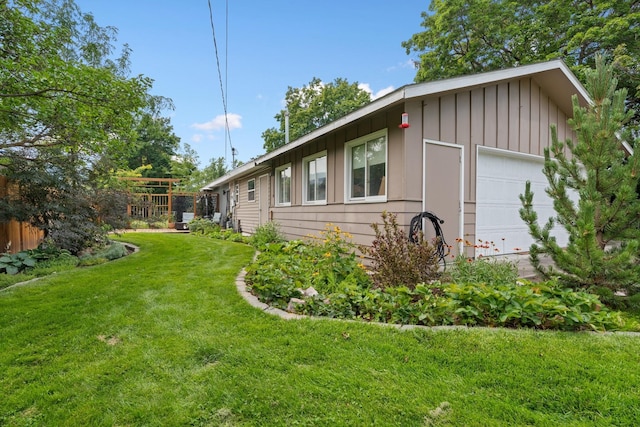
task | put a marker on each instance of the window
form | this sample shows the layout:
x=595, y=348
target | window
x=315, y=179
x=251, y=190
x=367, y=168
x=283, y=185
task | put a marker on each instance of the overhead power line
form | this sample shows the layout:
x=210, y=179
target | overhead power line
x=222, y=87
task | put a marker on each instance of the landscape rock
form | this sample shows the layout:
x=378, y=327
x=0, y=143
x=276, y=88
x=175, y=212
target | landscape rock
x=291, y=307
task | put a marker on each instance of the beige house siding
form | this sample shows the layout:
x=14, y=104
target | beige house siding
x=504, y=110
x=299, y=220
x=247, y=212
x=512, y=116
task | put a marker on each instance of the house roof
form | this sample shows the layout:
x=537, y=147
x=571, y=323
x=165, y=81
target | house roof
x=554, y=76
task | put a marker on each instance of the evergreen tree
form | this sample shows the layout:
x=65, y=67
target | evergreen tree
x=604, y=224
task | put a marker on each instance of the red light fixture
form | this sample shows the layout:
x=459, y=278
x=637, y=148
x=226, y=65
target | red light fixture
x=405, y=121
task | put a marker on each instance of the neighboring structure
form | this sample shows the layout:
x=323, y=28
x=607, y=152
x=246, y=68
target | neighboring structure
x=471, y=144
x=17, y=236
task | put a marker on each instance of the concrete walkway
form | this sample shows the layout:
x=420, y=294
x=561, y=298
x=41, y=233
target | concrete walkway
x=525, y=269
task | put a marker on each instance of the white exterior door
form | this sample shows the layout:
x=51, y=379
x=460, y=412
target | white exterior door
x=501, y=178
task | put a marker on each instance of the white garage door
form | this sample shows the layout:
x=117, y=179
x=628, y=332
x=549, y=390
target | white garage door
x=501, y=178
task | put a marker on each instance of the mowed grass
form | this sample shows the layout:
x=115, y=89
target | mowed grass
x=161, y=338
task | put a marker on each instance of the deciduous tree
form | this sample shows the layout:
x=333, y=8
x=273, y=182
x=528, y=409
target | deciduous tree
x=59, y=84
x=312, y=106
x=67, y=114
x=471, y=36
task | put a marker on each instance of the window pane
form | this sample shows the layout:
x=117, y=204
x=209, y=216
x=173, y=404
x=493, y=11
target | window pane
x=284, y=194
x=311, y=181
x=358, y=162
x=321, y=178
x=251, y=190
x=376, y=158
x=316, y=177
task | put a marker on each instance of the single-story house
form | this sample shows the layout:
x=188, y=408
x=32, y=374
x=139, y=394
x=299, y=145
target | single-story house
x=471, y=144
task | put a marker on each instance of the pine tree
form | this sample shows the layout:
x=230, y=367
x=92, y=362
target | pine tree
x=604, y=224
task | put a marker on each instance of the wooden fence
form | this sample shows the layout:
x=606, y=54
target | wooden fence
x=16, y=236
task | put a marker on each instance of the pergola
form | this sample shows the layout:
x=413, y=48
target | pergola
x=154, y=204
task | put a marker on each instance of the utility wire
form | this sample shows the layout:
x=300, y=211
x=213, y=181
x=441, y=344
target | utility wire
x=222, y=90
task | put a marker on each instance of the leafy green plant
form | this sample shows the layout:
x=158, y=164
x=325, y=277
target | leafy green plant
x=266, y=233
x=278, y=272
x=46, y=252
x=513, y=305
x=327, y=262
x=398, y=262
x=203, y=226
x=115, y=250
x=15, y=263
x=334, y=260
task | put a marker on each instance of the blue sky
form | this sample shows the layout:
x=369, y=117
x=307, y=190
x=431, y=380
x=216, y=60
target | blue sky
x=267, y=47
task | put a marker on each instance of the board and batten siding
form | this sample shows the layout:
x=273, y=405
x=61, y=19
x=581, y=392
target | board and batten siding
x=248, y=212
x=300, y=220
x=514, y=116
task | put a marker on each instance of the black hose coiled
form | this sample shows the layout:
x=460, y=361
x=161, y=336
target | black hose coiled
x=415, y=227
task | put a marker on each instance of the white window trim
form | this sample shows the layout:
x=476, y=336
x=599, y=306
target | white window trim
x=277, y=182
x=305, y=178
x=348, y=169
x=249, y=191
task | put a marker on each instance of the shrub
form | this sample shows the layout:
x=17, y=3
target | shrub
x=203, y=226
x=398, y=262
x=103, y=254
x=265, y=234
x=114, y=251
x=137, y=224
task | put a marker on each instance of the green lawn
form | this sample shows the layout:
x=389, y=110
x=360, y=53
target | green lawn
x=161, y=337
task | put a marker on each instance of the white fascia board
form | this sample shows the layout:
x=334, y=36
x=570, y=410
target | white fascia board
x=251, y=166
x=482, y=79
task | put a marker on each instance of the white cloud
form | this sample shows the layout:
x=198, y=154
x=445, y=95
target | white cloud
x=218, y=123
x=410, y=63
x=382, y=92
x=365, y=87
x=196, y=137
